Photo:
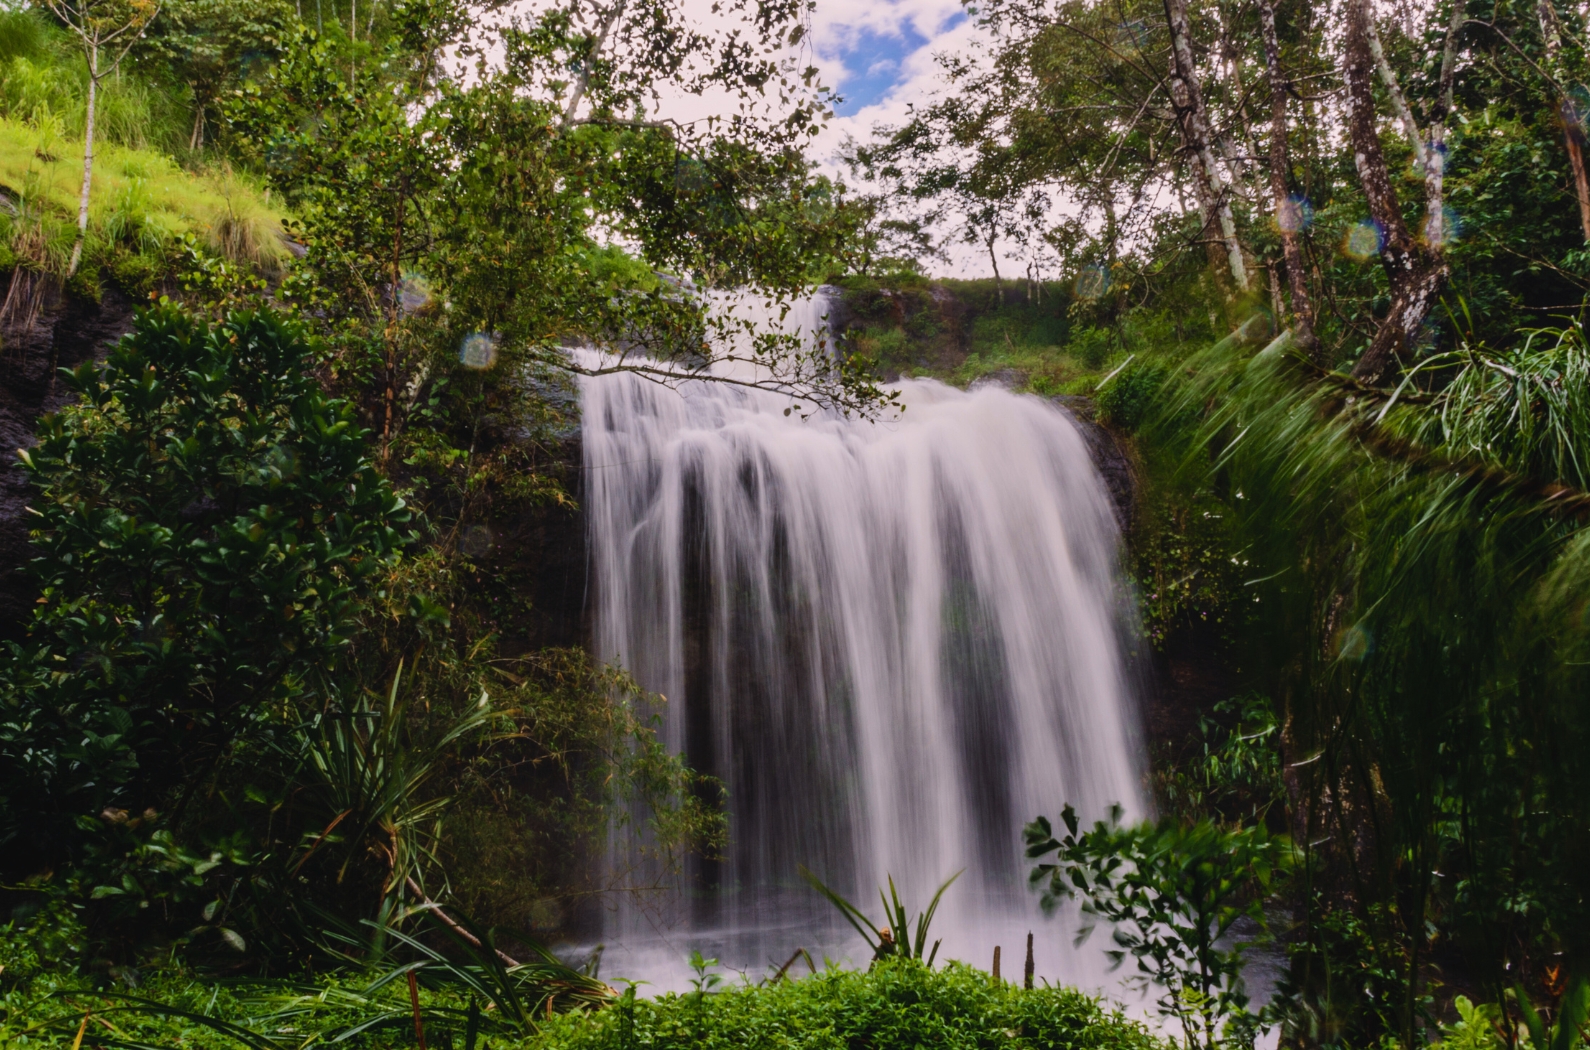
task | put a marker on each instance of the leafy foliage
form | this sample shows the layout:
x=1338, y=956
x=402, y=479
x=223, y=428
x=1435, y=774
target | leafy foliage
x=899, y=1002
x=896, y=936
x=1173, y=893
x=207, y=523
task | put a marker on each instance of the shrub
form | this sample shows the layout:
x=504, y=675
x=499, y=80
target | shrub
x=1124, y=401
x=899, y=1003
x=206, y=521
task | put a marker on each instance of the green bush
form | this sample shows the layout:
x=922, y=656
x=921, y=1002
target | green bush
x=206, y=523
x=899, y=1003
x=1124, y=401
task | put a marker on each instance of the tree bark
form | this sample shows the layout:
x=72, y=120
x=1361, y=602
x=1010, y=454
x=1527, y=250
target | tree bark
x=1572, y=128
x=1187, y=99
x=1413, y=271
x=1288, y=215
x=88, y=161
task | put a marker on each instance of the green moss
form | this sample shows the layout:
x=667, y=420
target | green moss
x=896, y=1004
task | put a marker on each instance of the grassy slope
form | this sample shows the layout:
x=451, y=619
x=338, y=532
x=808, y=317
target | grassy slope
x=142, y=201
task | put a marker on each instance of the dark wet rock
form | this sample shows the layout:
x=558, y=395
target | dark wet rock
x=1005, y=379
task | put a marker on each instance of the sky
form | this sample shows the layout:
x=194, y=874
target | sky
x=879, y=56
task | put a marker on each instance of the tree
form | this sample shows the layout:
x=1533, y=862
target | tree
x=102, y=27
x=1192, y=116
x=1415, y=268
x=1288, y=210
x=212, y=46
x=466, y=184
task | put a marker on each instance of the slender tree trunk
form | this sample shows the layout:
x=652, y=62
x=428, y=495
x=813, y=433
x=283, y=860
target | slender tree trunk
x=1288, y=214
x=88, y=161
x=1414, y=273
x=999, y=287
x=1436, y=234
x=1187, y=99
x=584, y=81
x=1572, y=129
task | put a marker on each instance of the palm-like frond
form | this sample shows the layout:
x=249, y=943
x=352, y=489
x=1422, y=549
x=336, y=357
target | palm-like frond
x=902, y=938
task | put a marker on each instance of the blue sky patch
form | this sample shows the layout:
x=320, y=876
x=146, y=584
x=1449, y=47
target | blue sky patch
x=874, y=61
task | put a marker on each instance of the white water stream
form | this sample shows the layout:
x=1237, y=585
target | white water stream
x=894, y=643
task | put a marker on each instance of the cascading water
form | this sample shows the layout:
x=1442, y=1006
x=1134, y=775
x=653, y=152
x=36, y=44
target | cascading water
x=894, y=643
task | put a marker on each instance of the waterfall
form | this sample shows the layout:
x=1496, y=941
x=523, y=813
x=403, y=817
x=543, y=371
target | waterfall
x=893, y=642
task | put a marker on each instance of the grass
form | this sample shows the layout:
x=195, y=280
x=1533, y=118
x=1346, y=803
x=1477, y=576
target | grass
x=51, y=982
x=962, y=331
x=143, y=202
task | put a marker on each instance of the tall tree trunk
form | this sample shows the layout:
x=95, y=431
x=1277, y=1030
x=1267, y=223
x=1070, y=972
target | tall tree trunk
x=1414, y=273
x=1572, y=128
x=1288, y=214
x=1187, y=98
x=88, y=161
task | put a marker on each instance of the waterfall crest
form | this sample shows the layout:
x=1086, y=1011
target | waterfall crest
x=894, y=643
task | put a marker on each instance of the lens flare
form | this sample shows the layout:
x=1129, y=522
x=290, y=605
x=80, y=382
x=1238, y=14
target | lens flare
x=1092, y=282
x=479, y=351
x=1436, y=154
x=1354, y=643
x=414, y=293
x=1576, y=108
x=1294, y=215
x=477, y=541
x=691, y=176
x=1133, y=34
x=1441, y=229
x=1364, y=240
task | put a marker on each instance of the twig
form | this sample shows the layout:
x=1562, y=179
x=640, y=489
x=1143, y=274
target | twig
x=782, y=970
x=414, y=1001
x=447, y=920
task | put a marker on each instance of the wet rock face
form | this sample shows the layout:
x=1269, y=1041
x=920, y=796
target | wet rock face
x=65, y=332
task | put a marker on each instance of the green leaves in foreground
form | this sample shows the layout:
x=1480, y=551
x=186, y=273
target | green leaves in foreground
x=898, y=1003
x=1174, y=893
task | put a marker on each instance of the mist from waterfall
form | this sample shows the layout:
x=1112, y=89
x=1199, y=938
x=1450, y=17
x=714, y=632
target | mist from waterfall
x=893, y=642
